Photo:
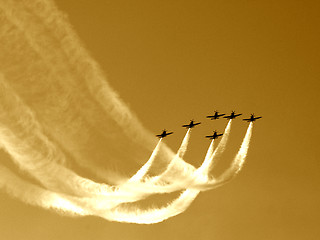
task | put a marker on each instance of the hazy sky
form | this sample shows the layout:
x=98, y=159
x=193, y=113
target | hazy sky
x=172, y=61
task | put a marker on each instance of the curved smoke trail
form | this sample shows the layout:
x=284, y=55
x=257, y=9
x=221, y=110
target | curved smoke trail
x=55, y=102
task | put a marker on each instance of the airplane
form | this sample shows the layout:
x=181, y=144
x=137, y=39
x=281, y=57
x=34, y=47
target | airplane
x=232, y=115
x=191, y=124
x=164, y=134
x=251, y=119
x=214, y=136
x=216, y=115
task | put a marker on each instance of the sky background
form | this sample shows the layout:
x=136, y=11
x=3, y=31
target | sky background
x=172, y=61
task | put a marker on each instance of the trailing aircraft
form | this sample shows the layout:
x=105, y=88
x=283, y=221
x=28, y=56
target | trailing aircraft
x=164, y=134
x=215, y=135
x=191, y=124
x=232, y=115
x=251, y=119
x=216, y=115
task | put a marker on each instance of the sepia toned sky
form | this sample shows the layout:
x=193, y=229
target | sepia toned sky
x=172, y=61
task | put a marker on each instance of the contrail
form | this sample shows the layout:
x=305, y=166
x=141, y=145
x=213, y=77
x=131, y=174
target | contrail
x=37, y=196
x=235, y=166
x=90, y=72
x=56, y=107
x=180, y=204
x=35, y=153
x=176, y=207
x=176, y=161
x=62, y=100
x=239, y=159
x=141, y=173
x=208, y=163
x=39, y=163
x=87, y=69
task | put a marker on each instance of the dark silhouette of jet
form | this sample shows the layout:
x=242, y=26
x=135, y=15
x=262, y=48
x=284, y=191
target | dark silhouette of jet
x=164, y=134
x=216, y=115
x=215, y=135
x=191, y=124
x=251, y=119
x=232, y=115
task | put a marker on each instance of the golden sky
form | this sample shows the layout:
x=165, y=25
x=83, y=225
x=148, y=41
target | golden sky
x=172, y=61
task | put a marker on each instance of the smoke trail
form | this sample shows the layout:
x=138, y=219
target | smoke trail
x=195, y=178
x=35, y=155
x=42, y=30
x=55, y=103
x=208, y=163
x=37, y=196
x=176, y=161
x=239, y=159
x=145, y=168
x=85, y=68
x=235, y=166
x=177, y=206
x=154, y=215
x=51, y=104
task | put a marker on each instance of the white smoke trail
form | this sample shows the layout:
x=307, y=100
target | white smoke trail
x=179, y=205
x=39, y=164
x=74, y=55
x=239, y=159
x=20, y=30
x=66, y=97
x=200, y=176
x=235, y=166
x=35, y=153
x=208, y=163
x=141, y=173
x=171, y=170
x=86, y=68
x=37, y=196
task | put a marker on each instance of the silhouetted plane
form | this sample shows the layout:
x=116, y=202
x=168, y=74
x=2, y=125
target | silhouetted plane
x=216, y=115
x=251, y=119
x=214, y=136
x=164, y=134
x=232, y=115
x=191, y=124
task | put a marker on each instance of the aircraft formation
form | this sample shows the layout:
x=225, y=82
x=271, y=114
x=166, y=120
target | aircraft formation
x=215, y=116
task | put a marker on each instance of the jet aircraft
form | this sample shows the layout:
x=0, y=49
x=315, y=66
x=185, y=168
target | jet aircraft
x=251, y=119
x=233, y=115
x=216, y=115
x=191, y=124
x=164, y=134
x=215, y=135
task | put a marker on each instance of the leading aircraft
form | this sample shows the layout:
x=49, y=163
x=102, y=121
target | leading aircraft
x=215, y=135
x=233, y=115
x=251, y=119
x=216, y=115
x=164, y=134
x=191, y=124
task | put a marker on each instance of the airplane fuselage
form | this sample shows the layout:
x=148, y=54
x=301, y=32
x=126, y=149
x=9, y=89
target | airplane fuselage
x=191, y=124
